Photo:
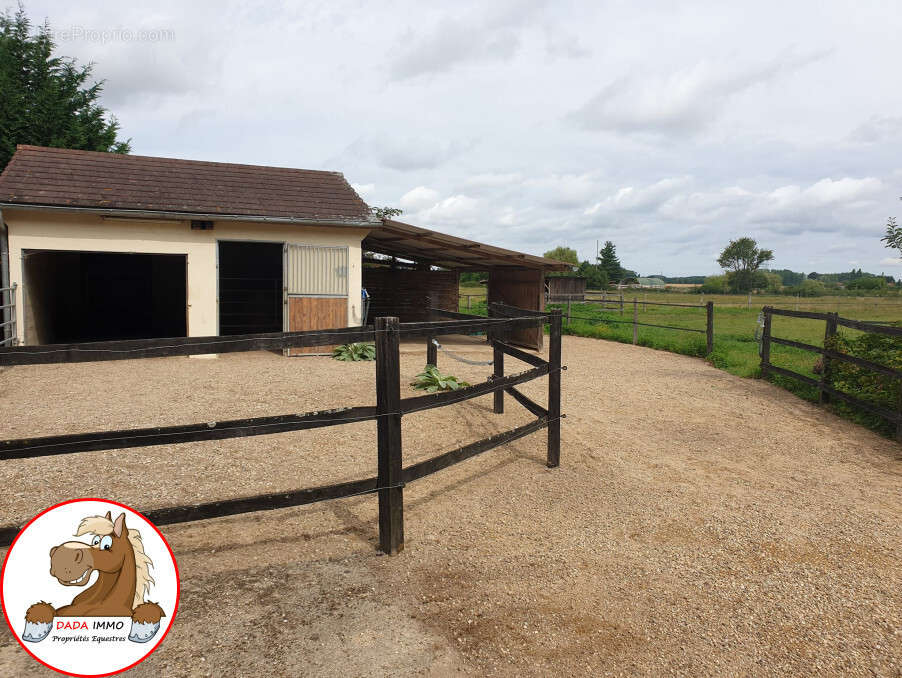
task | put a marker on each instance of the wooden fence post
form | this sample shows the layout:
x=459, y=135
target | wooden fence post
x=621, y=303
x=709, y=326
x=554, y=390
x=765, y=342
x=469, y=297
x=568, y=309
x=497, y=373
x=899, y=423
x=388, y=403
x=749, y=305
x=830, y=331
x=635, y=321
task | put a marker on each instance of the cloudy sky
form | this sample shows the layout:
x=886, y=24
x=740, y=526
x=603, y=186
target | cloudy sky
x=667, y=127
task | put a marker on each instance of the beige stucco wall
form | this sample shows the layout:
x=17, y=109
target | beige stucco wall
x=57, y=230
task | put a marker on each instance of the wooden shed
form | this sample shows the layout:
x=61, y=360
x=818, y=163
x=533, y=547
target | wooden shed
x=563, y=287
x=424, y=268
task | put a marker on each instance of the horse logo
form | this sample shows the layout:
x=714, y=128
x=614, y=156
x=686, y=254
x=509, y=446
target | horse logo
x=116, y=553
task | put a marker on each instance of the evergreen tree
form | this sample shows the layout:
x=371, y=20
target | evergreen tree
x=43, y=98
x=609, y=263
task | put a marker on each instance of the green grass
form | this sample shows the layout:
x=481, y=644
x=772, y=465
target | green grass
x=735, y=347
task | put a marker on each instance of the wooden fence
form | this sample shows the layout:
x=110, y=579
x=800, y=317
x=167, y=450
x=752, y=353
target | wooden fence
x=619, y=303
x=824, y=387
x=391, y=476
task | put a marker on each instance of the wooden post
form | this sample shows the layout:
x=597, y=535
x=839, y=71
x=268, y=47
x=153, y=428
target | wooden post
x=469, y=297
x=554, y=390
x=497, y=373
x=830, y=331
x=645, y=303
x=709, y=326
x=568, y=310
x=621, y=303
x=388, y=403
x=765, y=342
x=899, y=423
x=749, y=305
x=431, y=352
x=635, y=321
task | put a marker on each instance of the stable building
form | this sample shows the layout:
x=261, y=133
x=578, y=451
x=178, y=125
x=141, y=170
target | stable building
x=103, y=246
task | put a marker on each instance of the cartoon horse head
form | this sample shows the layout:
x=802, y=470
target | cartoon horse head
x=72, y=562
x=116, y=553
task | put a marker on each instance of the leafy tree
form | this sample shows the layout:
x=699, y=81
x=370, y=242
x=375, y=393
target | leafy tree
x=609, y=263
x=596, y=277
x=386, y=212
x=893, y=237
x=45, y=100
x=743, y=257
x=564, y=254
x=812, y=288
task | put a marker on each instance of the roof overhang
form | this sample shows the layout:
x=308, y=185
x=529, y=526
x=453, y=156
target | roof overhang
x=395, y=238
x=186, y=216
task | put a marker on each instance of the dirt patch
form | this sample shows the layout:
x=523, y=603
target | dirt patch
x=699, y=523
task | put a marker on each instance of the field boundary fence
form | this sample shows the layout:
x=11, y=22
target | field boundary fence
x=390, y=407
x=620, y=304
x=825, y=389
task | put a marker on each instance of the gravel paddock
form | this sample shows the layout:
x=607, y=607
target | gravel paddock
x=699, y=524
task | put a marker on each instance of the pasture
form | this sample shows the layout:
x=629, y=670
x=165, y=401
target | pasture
x=699, y=524
x=735, y=322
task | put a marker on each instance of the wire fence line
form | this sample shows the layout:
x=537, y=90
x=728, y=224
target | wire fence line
x=621, y=304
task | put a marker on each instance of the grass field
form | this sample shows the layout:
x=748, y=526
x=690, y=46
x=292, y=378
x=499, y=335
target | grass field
x=735, y=321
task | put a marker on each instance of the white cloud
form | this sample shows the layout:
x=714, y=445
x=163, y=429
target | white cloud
x=419, y=198
x=456, y=208
x=890, y=261
x=680, y=101
x=364, y=190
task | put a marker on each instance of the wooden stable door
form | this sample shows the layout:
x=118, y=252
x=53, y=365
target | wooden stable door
x=316, y=313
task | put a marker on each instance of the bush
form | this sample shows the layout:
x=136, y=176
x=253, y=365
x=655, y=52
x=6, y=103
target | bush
x=355, y=352
x=863, y=383
x=715, y=284
x=870, y=283
x=812, y=288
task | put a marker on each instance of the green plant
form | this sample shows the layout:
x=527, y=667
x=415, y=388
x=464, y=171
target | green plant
x=431, y=380
x=355, y=352
x=863, y=383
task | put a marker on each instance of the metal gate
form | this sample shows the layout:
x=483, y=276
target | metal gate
x=8, y=305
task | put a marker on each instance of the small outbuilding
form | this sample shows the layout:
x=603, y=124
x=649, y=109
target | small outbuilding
x=103, y=246
x=564, y=287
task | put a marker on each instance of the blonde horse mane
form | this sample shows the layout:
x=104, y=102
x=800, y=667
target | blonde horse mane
x=101, y=525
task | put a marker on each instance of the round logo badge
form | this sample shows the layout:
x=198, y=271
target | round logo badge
x=90, y=587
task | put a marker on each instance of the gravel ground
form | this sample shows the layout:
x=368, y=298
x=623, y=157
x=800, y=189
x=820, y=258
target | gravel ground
x=700, y=524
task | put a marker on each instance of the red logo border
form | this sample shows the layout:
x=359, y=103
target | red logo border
x=178, y=589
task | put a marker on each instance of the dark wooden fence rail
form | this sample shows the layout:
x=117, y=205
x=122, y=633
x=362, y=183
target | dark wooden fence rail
x=636, y=303
x=825, y=389
x=388, y=411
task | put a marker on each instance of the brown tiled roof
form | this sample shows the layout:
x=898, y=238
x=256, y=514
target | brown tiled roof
x=58, y=177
